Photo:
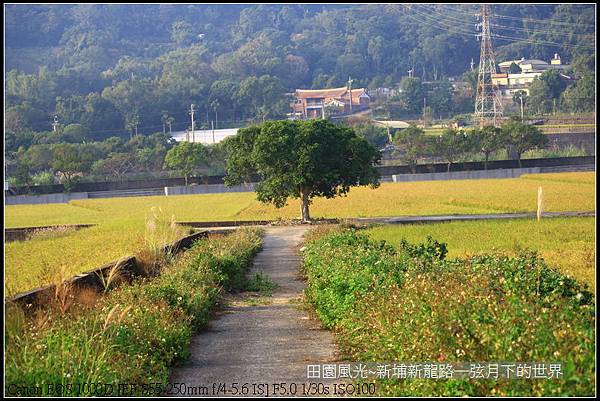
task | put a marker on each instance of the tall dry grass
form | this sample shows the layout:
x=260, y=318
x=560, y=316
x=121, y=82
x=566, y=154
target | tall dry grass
x=51, y=232
x=113, y=277
x=135, y=332
x=160, y=230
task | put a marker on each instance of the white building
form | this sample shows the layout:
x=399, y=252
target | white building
x=529, y=66
x=508, y=84
x=205, y=136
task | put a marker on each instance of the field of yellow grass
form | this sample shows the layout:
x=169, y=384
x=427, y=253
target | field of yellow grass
x=121, y=221
x=566, y=243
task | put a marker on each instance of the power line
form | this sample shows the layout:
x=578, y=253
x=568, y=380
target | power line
x=538, y=21
x=496, y=36
x=541, y=42
x=436, y=24
x=447, y=16
x=462, y=13
x=534, y=31
x=433, y=13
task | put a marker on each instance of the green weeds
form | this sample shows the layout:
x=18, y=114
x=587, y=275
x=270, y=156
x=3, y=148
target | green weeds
x=414, y=305
x=261, y=283
x=135, y=332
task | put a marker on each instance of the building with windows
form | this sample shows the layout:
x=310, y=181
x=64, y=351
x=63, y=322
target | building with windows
x=315, y=103
x=528, y=66
x=508, y=84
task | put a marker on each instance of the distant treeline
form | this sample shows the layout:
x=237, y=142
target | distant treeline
x=139, y=67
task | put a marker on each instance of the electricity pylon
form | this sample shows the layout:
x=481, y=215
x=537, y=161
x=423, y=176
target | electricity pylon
x=487, y=104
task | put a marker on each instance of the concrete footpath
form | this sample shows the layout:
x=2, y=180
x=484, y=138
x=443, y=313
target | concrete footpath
x=260, y=341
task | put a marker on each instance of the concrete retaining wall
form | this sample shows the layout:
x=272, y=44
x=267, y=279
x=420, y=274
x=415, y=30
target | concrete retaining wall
x=207, y=189
x=129, y=268
x=39, y=199
x=492, y=165
x=122, y=185
x=466, y=175
x=22, y=234
x=383, y=171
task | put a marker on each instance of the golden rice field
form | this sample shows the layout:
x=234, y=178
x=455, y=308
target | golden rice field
x=121, y=221
x=567, y=243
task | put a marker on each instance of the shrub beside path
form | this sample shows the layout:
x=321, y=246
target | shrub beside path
x=261, y=343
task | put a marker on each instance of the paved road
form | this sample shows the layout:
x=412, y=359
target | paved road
x=269, y=343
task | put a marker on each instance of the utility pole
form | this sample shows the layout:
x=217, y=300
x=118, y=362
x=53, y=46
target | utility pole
x=487, y=103
x=55, y=124
x=170, y=121
x=522, y=115
x=212, y=124
x=350, y=91
x=192, y=111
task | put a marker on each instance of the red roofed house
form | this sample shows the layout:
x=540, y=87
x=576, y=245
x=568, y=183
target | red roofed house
x=310, y=103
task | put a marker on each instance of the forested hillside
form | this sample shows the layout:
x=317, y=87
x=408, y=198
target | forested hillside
x=119, y=67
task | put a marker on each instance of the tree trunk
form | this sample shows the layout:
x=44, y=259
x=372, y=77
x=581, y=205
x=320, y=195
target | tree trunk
x=449, y=164
x=304, y=206
x=186, y=181
x=487, y=156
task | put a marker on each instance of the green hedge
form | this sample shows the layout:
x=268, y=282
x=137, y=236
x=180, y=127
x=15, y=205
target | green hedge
x=410, y=304
x=136, y=332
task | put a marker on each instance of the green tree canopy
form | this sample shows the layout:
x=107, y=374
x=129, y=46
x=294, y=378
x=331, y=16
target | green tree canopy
x=301, y=159
x=39, y=157
x=186, y=157
x=488, y=140
x=116, y=164
x=24, y=116
x=70, y=161
x=411, y=144
x=581, y=97
x=182, y=33
x=440, y=98
x=451, y=145
x=377, y=136
x=518, y=96
x=545, y=90
x=523, y=137
x=412, y=94
x=514, y=68
x=74, y=133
